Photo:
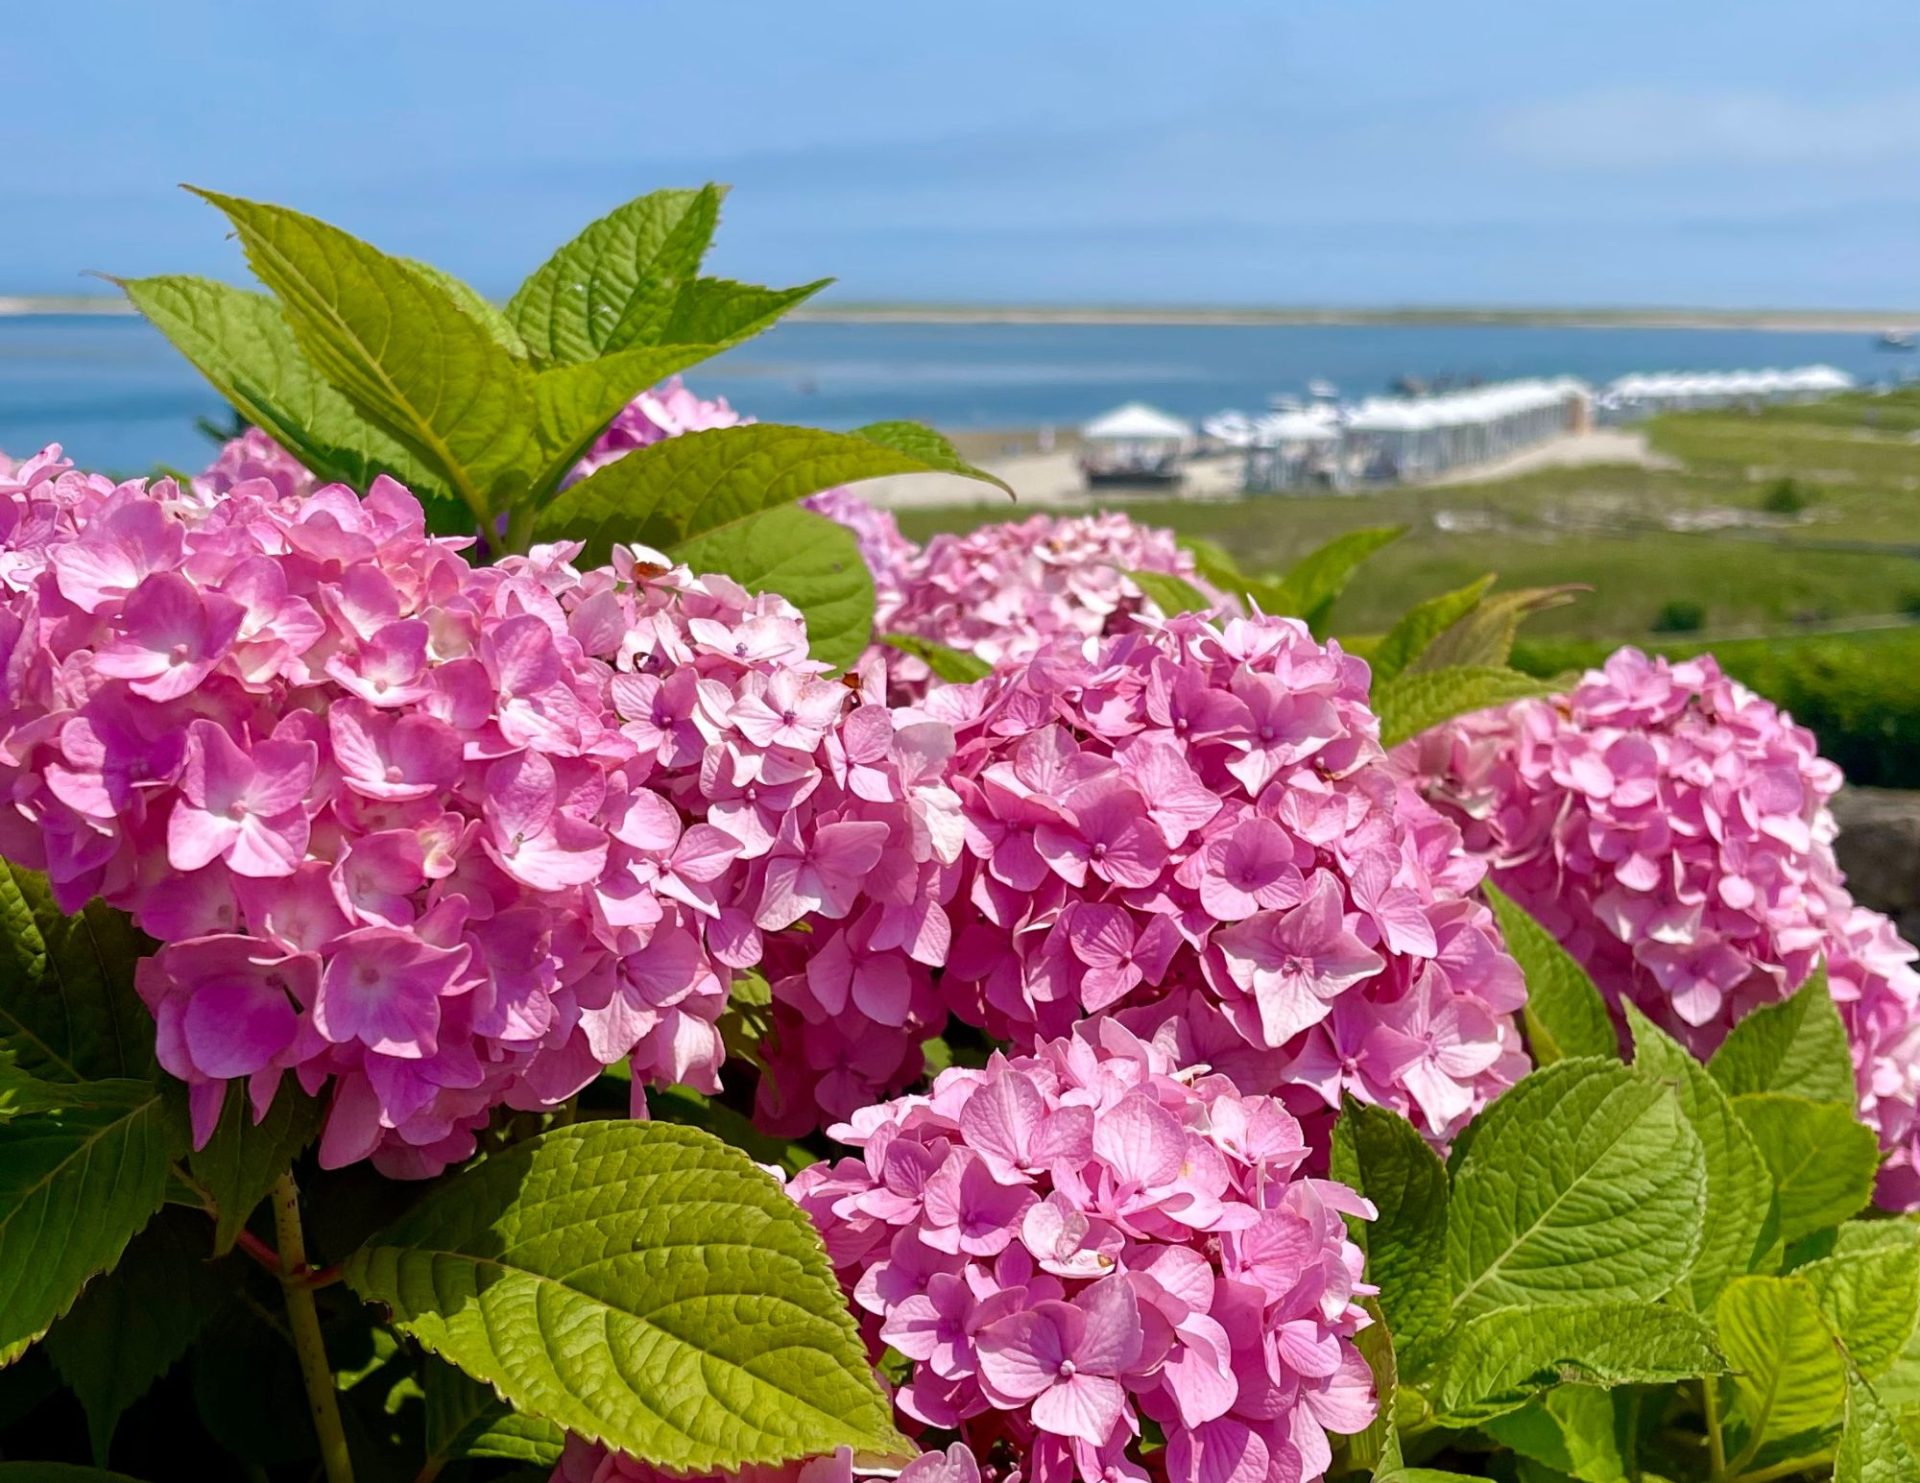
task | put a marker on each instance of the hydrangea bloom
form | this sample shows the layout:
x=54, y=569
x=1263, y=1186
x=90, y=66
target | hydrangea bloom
x=587, y=1462
x=1004, y=591
x=1066, y=1243
x=434, y=836
x=1671, y=829
x=1193, y=827
x=1290, y=915
x=254, y=455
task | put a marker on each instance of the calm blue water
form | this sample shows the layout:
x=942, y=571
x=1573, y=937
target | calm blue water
x=119, y=398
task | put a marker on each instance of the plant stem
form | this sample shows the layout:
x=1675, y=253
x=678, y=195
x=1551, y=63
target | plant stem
x=252, y=1246
x=519, y=534
x=1716, y=1444
x=304, y=1319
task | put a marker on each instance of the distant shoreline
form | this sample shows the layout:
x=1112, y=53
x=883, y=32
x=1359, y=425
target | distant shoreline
x=1830, y=321
x=1810, y=320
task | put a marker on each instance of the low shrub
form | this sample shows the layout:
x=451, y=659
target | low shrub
x=1680, y=615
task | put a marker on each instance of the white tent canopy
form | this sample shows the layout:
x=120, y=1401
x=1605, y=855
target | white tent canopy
x=1295, y=427
x=1394, y=438
x=1643, y=393
x=1136, y=422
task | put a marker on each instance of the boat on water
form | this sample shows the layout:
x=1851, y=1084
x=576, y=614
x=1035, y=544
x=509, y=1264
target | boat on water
x=1896, y=340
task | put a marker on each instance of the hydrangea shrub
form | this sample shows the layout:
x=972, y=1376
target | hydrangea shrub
x=1671, y=829
x=1078, y=1049
x=429, y=837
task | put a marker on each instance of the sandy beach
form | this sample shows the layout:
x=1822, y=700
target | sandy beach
x=1052, y=480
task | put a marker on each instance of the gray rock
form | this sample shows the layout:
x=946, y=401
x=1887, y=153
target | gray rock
x=1879, y=848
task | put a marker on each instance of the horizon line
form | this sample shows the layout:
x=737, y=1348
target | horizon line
x=949, y=311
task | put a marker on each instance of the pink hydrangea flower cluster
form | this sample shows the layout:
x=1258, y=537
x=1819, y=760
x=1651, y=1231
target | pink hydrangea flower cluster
x=1192, y=825
x=854, y=997
x=1004, y=591
x=1065, y=1243
x=254, y=455
x=437, y=837
x=1671, y=829
x=589, y=1462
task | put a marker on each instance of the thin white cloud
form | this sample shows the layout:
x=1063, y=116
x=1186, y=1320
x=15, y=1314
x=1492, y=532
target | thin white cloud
x=1632, y=129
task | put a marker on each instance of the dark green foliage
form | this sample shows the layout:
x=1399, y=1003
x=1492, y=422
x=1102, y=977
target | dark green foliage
x=1679, y=615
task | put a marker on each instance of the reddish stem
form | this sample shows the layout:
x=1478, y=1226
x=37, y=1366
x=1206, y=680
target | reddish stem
x=262, y=1253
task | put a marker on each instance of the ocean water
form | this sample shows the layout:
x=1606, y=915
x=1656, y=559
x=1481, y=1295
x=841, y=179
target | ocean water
x=119, y=398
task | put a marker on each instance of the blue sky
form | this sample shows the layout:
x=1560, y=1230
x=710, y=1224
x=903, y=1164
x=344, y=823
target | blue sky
x=1293, y=151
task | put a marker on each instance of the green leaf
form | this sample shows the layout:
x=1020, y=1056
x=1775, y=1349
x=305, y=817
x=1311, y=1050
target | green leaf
x=248, y=1391
x=574, y=403
x=1742, y=1227
x=1213, y=564
x=1823, y=1162
x=1483, y=636
x=58, y=1472
x=747, y=1023
x=68, y=1011
x=1366, y=1448
x=408, y=354
x=1170, y=594
x=243, y=1158
x=131, y=1326
x=75, y=1186
x=921, y=443
x=1872, y=1449
x=1582, y=1184
x=1798, y=1047
x=955, y=666
x=1393, y=1467
x=1871, y=1301
x=1406, y=1244
x=639, y=1284
x=1857, y=1237
x=478, y=308
x=811, y=561
x=1421, y=624
x=719, y=312
x=1787, y=1370
x=400, y=348
x=1501, y=1359
x=1309, y=588
x=21, y=1093
x=704, y=481
x=1899, y=1383
x=614, y=285
x=466, y=1419
x=1565, y=1015
x=1411, y=703
x=241, y=343
x=1579, y=1430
